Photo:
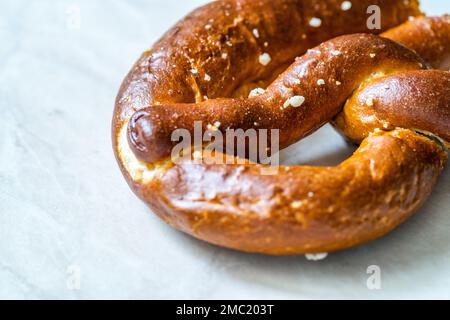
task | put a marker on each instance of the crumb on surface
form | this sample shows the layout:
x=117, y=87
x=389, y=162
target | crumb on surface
x=316, y=256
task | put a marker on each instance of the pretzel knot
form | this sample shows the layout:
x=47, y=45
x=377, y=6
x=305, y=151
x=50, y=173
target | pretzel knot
x=381, y=92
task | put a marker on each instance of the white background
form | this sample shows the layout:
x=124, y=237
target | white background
x=64, y=205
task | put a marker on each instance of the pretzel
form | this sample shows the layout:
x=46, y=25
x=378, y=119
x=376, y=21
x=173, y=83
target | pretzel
x=299, y=209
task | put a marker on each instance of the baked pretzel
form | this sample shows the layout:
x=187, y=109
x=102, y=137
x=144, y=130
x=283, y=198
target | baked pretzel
x=222, y=50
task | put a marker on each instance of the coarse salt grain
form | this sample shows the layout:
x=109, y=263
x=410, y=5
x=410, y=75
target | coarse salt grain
x=265, y=59
x=224, y=56
x=295, y=101
x=320, y=82
x=207, y=77
x=372, y=55
x=256, y=33
x=296, y=204
x=315, y=22
x=194, y=71
x=338, y=83
x=346, y=5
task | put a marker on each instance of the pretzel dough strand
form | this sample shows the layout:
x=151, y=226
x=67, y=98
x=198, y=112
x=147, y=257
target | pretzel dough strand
x=163, y=74
x=313, y=77
x=301, y=209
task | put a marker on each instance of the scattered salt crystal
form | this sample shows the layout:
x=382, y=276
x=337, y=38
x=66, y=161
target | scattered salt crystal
x=315, y=22
x=265, y=59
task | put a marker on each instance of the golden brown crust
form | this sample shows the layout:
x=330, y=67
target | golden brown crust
x=419, y=100
x=217, y=39
x=300, y=209
x=342, y=64
x=428, y=36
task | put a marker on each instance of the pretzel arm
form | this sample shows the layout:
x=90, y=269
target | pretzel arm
x=419, y=100
x=301, y=209
x=224, y=40
x=428, y=36
x=321, y=80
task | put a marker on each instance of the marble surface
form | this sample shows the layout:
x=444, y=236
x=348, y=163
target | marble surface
x=71, y=229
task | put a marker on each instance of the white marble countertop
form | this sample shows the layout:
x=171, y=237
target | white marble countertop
x=71, y=228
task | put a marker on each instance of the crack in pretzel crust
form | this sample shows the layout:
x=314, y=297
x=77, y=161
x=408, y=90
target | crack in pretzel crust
x=229, y=47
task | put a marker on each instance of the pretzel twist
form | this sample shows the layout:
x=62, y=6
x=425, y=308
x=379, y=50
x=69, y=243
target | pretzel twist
x=216, y=52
